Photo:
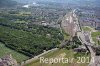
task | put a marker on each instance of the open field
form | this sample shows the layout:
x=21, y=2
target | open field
x=95, y=35
x=18, y=56
x=66, y=36
x=61, y=53
x=86, y=28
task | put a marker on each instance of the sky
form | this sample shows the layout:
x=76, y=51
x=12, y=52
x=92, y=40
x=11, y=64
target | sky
x=80, y=2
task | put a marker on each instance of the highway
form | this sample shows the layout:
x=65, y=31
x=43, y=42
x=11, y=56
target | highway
x=86, y=40
x=71, y=25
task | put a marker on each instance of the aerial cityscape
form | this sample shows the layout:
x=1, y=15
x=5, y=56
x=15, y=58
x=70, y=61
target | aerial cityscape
x=49, y=32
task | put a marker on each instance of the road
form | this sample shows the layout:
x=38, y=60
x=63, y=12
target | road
x=37, y=57
x=86, y=40
x=71, y=25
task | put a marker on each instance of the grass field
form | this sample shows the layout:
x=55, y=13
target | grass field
x=66, y=36
x=18, y=56
x=59, y=54
x=86, y=28
x=95, y=35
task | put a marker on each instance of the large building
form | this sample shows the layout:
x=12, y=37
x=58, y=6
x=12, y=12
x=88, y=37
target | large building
x=92, y=22
x=89, y=18
x=69, y=24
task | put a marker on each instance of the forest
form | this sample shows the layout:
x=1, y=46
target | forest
x=29, y=39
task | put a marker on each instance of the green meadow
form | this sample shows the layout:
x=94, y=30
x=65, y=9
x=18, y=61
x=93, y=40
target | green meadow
x=18, y=56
